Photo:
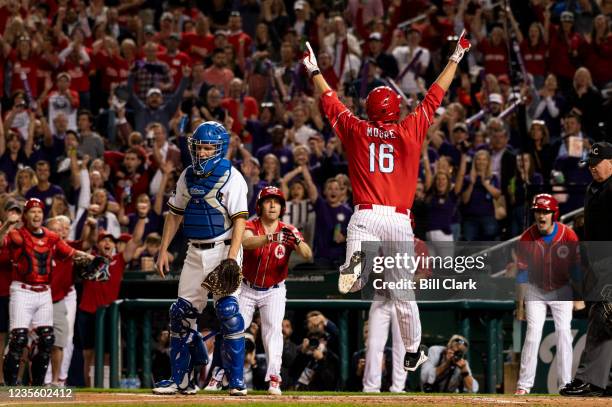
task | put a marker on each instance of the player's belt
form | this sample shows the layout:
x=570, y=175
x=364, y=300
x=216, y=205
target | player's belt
x=403, y=211
x=35, y=288
x=256, y=287
x=206, y=246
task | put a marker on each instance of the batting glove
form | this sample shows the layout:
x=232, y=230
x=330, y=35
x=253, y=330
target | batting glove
x=309, y=60
x=463, y=46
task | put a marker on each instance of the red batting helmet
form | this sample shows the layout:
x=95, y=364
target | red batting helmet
x=383, y=105
x=546, y=202
x=270, y=192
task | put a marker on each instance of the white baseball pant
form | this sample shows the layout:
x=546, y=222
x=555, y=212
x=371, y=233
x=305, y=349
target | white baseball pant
x=198, y=264
x=29, y=309
x=383, y=224
x=382, y=315
x=535, y=309
x=439, y=243
x=271, y=305
x=70, y=301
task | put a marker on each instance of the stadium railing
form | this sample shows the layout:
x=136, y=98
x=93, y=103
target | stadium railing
x=131, y=309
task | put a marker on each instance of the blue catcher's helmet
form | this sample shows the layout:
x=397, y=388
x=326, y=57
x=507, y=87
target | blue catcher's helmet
x=208, y=133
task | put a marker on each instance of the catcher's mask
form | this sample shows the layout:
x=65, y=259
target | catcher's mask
x=267, y=193
x=211, y=133
x=546, y=202
x=383, y=105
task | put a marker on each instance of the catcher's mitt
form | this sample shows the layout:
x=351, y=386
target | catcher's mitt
x=224, y=279
x=95, y=270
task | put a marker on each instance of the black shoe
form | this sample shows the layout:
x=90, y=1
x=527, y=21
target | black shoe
x=578, y=388
x=607, y=392
x=413, y=360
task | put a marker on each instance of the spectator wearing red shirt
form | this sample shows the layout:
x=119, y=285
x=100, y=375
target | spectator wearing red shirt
x=166, y=27
x=534, y=49
x=75, y=60
x=25, y=68
x=131, y=176
x=240, y=107
x=565, y=45
x=240, y=40
x=494, y=51
x=327, y=69
x=599, y=51
x=97, y=294
x=113, y=67
x=218, y=74
x=199, y=43
x=174, y=58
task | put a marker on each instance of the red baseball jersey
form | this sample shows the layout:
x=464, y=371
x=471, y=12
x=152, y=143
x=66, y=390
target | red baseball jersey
x=549, y=264
x=100, y=293
x=31, y=254
x=383, y=158
x=267, y=265
x=62, y=277
x=5, y=271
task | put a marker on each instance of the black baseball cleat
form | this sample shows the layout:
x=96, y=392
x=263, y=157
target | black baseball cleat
x=412, y=361
x=578, y=388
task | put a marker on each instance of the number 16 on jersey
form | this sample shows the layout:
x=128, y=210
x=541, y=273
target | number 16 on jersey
x=384, y=159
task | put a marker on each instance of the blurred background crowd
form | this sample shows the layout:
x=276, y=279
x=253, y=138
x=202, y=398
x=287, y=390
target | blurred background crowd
x=99, y=96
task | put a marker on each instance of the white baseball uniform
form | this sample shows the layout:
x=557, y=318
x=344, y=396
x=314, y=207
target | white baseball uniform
x=535, y=309
x=199, y=263
x=263, y=287
x=382, y=316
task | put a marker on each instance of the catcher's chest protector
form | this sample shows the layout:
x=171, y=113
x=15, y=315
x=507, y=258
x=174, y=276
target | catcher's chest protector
x=205, y=215
x=33, y=256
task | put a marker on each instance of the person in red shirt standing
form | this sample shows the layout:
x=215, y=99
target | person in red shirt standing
x=175, y=58
x=548, y=263
x=241, y=41
x=268, y=244
x=98, y=294
x=383, y=159
x=240, y=107
x=10, y=207
x=25, y=68
x=32, y=248
x=64, y=299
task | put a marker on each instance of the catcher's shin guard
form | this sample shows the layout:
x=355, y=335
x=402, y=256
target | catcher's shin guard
x=185, y=342
x=18, y=340
x=41, y=354
x=232, y=351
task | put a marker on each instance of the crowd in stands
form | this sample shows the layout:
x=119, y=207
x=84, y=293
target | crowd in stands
x=98, y=99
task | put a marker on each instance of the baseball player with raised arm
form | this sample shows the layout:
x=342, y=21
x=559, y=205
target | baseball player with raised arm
x=549, y=268
x=211, y=201
x=383, y=156
x=32, y=248
x=268, y=243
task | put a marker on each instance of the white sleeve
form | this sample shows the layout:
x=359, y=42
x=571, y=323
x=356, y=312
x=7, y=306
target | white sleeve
x=85, y=190
x=236, y=192
x=178, y=201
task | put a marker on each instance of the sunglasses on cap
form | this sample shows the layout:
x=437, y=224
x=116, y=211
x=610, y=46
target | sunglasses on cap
x=460, y=342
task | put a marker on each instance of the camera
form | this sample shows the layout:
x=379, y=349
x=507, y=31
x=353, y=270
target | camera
x=313, y=343
x=457, y=356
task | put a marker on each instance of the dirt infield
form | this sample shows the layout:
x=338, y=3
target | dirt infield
x=91, y=399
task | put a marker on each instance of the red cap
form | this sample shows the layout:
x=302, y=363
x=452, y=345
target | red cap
x=383, y=105
x=125, y=237
x=104, y=234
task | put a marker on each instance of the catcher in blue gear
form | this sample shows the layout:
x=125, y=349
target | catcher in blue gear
x=211, y=201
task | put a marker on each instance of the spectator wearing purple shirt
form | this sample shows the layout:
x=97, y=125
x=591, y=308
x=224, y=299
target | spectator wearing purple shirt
x=44, y=190
x=480, y=188
x=442, y=202
x=276, y=147
x=331, y=225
